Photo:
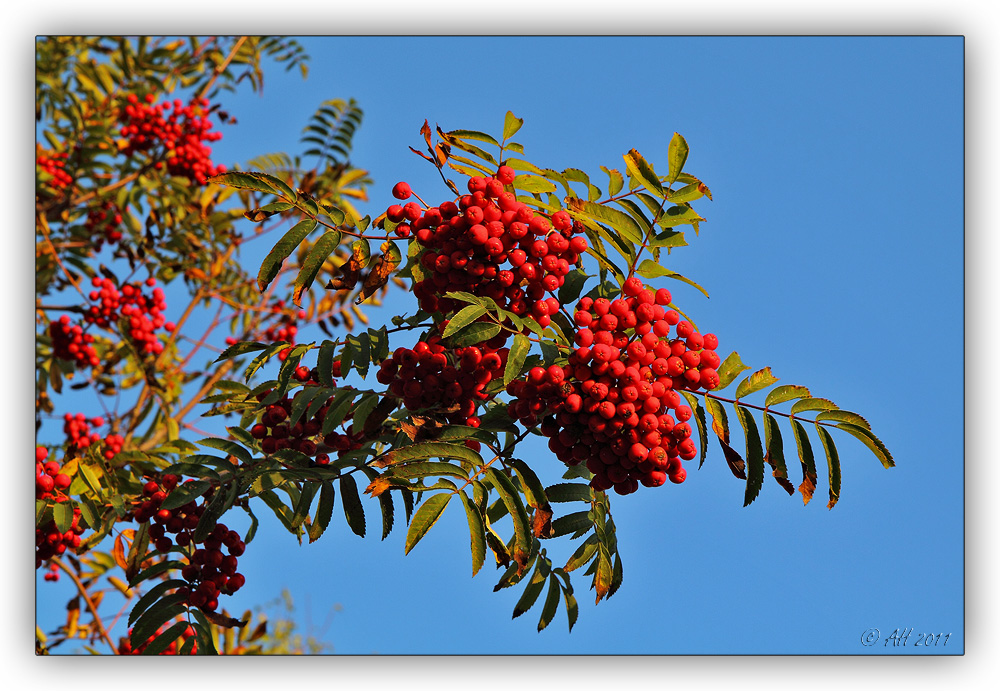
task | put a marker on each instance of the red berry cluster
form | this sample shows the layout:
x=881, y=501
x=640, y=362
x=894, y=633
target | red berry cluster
x=144, y=313
x=77, y=429
x=176, y=645
x=209, y=572
x=51, y=483
x=467, y=246
x=70, y=343
x=429, y=373
x=181, y=134
x=55, y=165
x=103, y=224
x=609, y=405
x=304, y=436
x=79, y=435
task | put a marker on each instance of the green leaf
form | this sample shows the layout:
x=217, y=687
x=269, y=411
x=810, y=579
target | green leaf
x=568, y=491
x=473, y=134
x=163, y=641
x=534, y=184
x=530, y=594
x=551, y=603
x=362, y=410
x=324, y=511
x=239, y=349
x=759, y=380
x=720, y=425
x=668, y=239
x=425, y=517
x=156, y=616
x=152, y=596
x=319, y=253
x=775, y=453
x=677, y=154
x=206, y=639
x=477, y=533
x=254, y=181
x=305, y=400
x=650, y=269
x=511, y=125
x=871, y=441
x=679, y=215
x=285, y=246
x=340, y=405
x=603, y=573
x=844, y=416
x=62, y=514
x=788, y=392
x=353, y=510
x=515, y=360
x=534, y=493
x=833, y=463
x=156, y=570
x=583, y=554
x=617, y=220
x=475, y=333
x=229, y=447
x=755, y=455
x=640, y=170
x=430, y=449
x=701, y=423
x=572, y=608
x=688, y=193
x=464, y=317
x=636, y=213
x=578, y=522
x=575, y=281
x=615, y=181
x=616, y=576
x=808, y=485
x=730, y=369
x=812, y=404
x=184, y=493
x=512, y=500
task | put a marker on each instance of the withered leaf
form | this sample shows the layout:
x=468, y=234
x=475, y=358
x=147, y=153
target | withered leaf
x=410, y=430
x=521, y=557
x=118, y=552
x=346, y=275
x=442, y=151
x=378, y=486
x=807, y=487
x=426, y=131
x=735, y=461
x=499, y=549
x=224, y=621
x=421, y=154
x=376, y=278
x=258, y=215
x=541, y=522
x=779, y=475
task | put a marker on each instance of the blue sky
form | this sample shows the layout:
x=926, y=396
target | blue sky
x=833, y=253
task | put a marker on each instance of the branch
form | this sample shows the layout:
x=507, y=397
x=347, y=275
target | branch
x=90, y=603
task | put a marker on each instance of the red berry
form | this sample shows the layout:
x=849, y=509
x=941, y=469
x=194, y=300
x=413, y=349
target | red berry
x=401, y=191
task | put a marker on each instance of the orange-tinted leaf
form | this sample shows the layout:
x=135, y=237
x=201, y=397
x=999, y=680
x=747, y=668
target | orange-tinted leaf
x=118, y=552
x=224, y=621
x=377, y=278
x=541, y=523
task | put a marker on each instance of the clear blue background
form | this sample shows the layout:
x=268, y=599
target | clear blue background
x=833, y=253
